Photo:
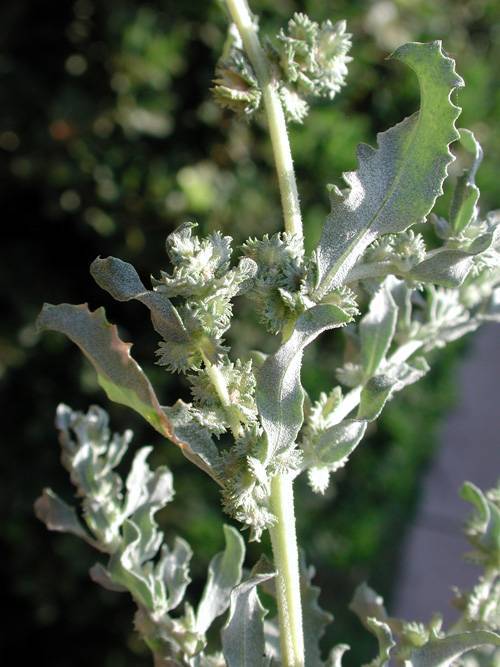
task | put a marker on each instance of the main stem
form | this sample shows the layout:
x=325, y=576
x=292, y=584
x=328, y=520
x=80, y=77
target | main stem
x=240, y=13
x=283, y=534
x=286, y=561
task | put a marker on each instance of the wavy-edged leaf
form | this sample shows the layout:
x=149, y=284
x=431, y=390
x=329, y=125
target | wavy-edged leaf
x=376, y=329
x=122, y=378
x=243, y=641
x=122, y=281
x=314, y=618
x=279, y=394
x=463, y=207
x=443, y=652
x=59, y=516
x=397, y=183
x=224, y=573
x=173, y=569
x=336, y=655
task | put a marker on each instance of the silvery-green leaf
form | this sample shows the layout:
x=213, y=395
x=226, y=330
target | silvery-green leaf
x=272, y=639
x=336, y=443
x=376, y=329
x=224, y=573
x=173, y=569
x=137, y=480
x=380, y=388
x=366, y=603
x=314, y=618
x=374, y=395
x=401, y=294
x=279, y=394
x=194, y=439
x=243, y=634
x=59, y=516
x=100, y=575
x=119, y=375
x=464, y=203
x=483, y=528
x=122, y=281
x=125, y=568
x=386, y=642
x=443, y=652
x=336, y=654
x=408, y=373
x=396, y=184
x=449, y=267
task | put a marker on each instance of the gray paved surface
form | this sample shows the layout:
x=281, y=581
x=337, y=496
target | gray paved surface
x=470, y=449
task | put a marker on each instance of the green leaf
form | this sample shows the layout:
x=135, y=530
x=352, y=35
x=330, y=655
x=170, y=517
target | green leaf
x=59, y=516
x=224, y=573
x=374, y=396
x=121, y=377
x=279, y=394
x=443, y=652
x=336, y=443
x=243, y=635
x=449, y=267
x=122, y=281
x=376, y=329
x=464, y=203
x=396, y=184
x=314, y=618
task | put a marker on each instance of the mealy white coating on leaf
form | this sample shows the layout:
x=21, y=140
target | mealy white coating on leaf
x=443, y=652
x=279, y=393
x=376, y=329
x=396, y=184
x=243, y=634
x=224, y=573
x=314, y=618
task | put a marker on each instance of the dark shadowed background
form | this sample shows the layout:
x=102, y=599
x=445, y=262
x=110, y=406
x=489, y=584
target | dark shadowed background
x=108, y=140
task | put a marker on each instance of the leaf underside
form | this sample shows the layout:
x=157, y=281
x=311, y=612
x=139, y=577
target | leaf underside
x=120, y=376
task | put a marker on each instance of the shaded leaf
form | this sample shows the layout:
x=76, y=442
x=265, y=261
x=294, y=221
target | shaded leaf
x=120, y=376
x=279, y=394
x=449, y=267
x=243, y=635
x=173, y=570
x=463, y=207
x=376, y=329
x=396, y=184
x=443, y=652
x=224, y=573
x=59, y=516
x=314, y=618
x=374, y=396
x=101, y=576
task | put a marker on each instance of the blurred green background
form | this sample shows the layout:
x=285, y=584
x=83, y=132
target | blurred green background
x=108, y=140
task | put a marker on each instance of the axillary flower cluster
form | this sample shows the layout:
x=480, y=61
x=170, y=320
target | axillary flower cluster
x=372, y=272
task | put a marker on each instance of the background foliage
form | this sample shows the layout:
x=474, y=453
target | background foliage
x=109, y=140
